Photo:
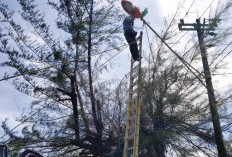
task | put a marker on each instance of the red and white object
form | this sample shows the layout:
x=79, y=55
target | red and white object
x=131, y=9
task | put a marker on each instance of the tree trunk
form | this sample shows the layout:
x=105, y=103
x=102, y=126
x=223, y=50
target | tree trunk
x=75, y=108
x=96, y=120
x=159, y=147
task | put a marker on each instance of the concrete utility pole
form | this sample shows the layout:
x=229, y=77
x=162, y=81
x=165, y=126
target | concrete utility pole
x=212, y=101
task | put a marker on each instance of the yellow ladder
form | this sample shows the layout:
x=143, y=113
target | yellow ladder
x=131, y=144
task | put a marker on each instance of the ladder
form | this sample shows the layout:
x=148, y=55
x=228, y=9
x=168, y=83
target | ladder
x=131, y=144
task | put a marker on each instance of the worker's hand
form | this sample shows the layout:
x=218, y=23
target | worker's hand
x=135, y=33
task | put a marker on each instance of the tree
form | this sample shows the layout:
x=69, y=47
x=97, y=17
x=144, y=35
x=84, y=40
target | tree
x=176, y=119
x=69, y=102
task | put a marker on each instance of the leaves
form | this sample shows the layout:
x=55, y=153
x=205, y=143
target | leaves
x=55, y=73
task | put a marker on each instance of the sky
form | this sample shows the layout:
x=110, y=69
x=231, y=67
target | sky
x=12, y=103
x=166, y=8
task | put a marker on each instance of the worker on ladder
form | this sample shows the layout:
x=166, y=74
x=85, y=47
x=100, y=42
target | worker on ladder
x=130, y=35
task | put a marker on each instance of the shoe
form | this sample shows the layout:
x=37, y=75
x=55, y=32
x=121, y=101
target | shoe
x=137, y=59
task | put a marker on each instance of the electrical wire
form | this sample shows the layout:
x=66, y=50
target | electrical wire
x=183, y=17
x=126, y=75
x=108, y=60
x=187, y=31
x=52, y=66
x=222, y=74
x=30, y=72
x=188, y=12
x=32, y=115
x=223, y=58
x=178, y=56
x=189, y=9
x=62, y=63
x=150, y=46
x=33, y=71
x=207, y=8
x=100, y=52
x=177, y=27
x=221, y=54
x=182, y=37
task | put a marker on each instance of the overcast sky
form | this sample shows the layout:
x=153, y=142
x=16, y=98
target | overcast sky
x=12, y=102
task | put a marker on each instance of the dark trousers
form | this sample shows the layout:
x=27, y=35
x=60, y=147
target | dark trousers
x=130, y=37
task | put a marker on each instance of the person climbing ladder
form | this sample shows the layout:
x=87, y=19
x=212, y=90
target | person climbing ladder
x=128, y=24
x=130, y=36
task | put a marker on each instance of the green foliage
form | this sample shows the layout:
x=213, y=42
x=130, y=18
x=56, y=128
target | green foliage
x=158, y=136
x=57, y=55
x=59, y=78
x=64, y=119
x=173, y=98
x=37, y=89
x=43, y=25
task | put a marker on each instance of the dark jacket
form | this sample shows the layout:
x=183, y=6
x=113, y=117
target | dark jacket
x=128, y=24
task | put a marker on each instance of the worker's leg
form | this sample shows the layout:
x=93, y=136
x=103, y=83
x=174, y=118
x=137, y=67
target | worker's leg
x=130, y=37
x=134, y=50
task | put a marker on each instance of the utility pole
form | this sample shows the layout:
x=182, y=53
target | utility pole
x=212, y=101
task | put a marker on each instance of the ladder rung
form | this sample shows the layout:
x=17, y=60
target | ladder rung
x=133, y=111
x=135, y=62
x=132, y=127
x=132, y=122
x=135, y=75
x=135, y=91
x=133, y=117
x=133, y=108
x=135, y=78
x=130, y=148
x=135, y=83
x=131, y=137
x=136, y=68
x=134, y=99
x=131, y=133
x=130, y=152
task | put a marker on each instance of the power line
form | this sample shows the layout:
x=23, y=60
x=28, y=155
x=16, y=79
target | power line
x=222, y=74
x=177, y=27
x=62, y=63
x=28, y=72
x=187, y=31
x=178, y=56
x=189, y=9
x=207, y=8
x=32, y=115
x=188, y=12
x=221, y=54
x=111, y=57
x=223, y=58
x=33, y=71
x=108, y=60
x=101, y=52
x=183, y=17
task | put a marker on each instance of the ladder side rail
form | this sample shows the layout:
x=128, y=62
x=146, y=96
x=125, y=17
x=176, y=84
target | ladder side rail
x=138, y=109
x=128, y=112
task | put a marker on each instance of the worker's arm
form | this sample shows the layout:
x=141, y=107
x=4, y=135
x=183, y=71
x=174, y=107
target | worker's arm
x=131, y=20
